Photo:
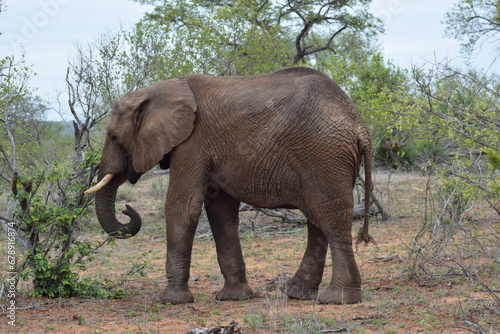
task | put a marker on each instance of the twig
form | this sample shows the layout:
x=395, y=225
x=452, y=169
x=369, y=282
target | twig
x=474, y=278
x=340, y=330
x=476, y=326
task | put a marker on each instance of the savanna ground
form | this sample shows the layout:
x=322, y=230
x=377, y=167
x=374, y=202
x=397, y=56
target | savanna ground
x=401, y=293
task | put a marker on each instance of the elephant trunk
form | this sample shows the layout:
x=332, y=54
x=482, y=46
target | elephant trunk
x=105, y=210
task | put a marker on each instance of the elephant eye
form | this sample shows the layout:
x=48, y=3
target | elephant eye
x=114, y=138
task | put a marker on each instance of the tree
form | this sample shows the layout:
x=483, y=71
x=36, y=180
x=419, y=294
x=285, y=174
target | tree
x=14, y=76
x=461, y=108
x=474, y=22
x=92, y=87
x=250, y=36
x=26, y=122
x=316, y=25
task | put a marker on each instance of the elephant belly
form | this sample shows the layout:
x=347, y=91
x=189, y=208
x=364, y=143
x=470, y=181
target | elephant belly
x=261, y=187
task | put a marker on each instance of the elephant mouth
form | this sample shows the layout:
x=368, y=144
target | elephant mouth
x=133, y=177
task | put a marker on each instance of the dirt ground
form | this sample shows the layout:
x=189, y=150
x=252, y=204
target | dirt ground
x=393, y=302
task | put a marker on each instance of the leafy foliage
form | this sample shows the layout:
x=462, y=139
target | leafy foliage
x=474, y=22
x=247, y=36
x=464, y=108
x=51, y=207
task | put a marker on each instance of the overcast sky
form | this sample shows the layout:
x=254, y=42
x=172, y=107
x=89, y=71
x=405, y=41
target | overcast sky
x=47, y=31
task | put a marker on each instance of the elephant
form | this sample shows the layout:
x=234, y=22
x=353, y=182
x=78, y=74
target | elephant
x=287, y=139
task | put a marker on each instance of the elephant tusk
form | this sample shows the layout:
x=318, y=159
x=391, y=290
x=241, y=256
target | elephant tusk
x=105, y=180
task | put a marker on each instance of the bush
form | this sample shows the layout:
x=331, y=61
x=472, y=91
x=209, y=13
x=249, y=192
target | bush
x=47, y=219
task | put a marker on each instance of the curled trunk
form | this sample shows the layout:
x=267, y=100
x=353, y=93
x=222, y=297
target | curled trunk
x=105, y=210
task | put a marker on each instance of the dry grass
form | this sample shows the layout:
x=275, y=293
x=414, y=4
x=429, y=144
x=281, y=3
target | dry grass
x=396, y=300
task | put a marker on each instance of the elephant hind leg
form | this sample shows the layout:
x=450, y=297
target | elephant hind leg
x=222, y=211
x=304, y=284
x=345, y=286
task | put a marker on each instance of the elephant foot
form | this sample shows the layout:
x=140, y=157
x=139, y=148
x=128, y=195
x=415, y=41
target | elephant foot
x=234, y=292
x=340, y=295
x=299, y=288
x=176, y=296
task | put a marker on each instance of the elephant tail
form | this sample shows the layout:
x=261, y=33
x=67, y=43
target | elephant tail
x=367, y=160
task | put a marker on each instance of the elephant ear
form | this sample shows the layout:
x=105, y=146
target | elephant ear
x=163, y=119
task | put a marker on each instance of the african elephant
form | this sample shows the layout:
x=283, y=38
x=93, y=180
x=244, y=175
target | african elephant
x=287, y=139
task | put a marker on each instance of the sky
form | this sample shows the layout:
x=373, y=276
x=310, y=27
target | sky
x=48, y=30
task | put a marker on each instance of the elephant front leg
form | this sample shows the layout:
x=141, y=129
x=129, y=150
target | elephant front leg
x=181, y=228
x=222, y=211
x=304, y=284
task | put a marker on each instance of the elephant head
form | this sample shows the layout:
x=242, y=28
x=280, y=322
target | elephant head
x=143, y=127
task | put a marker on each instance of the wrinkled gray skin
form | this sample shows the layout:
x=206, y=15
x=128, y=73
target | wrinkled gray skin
x=289, y=139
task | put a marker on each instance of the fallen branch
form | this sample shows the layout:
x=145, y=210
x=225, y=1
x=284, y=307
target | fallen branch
x=289, y=216
x=229, y=329
x=385, y=215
